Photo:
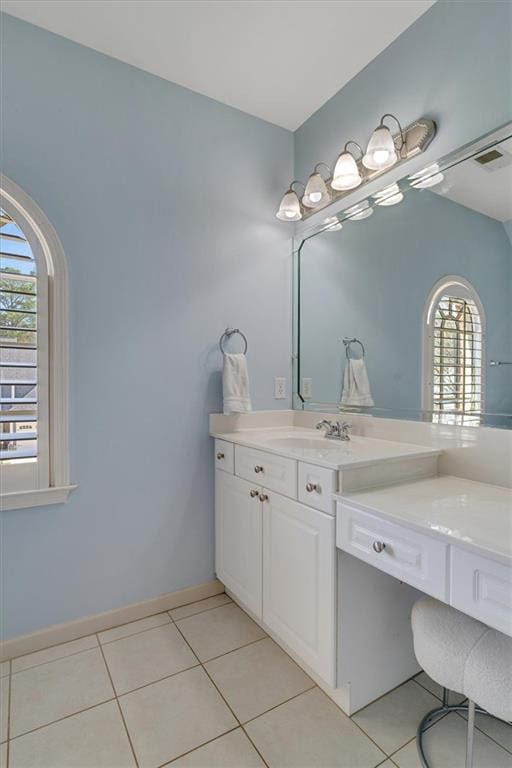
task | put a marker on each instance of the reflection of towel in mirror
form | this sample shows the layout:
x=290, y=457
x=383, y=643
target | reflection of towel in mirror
x=356, y=387
x=235, y=384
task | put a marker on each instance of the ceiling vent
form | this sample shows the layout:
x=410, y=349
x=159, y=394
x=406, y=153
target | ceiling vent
x=493, y=159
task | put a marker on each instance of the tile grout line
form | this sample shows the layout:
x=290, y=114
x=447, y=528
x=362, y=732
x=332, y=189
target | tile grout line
x=271, y=709
x=118, y=704
x=60, y=719
x=486, y=734
x=223, y=698
x=51, y=661
x=189, y=751
x=204, y=610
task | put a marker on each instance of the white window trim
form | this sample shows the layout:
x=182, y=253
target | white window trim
x=461, y=288
x=31, y=219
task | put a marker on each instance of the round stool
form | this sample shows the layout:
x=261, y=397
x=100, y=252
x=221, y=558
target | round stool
x=465, y=656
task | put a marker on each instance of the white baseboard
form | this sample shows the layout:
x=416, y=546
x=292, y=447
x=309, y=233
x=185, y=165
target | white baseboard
x=71, y=630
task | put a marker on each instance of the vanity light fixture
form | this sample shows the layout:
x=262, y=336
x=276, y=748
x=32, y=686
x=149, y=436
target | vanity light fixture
x=381, y=150
x=359, y=211
x=289, y=209
x=316, y=194
x=352, y=170
x=389, y=195
x=346, y=173
x=426, y=178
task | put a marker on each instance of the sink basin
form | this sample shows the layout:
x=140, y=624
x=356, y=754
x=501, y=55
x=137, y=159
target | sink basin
x=304, y=443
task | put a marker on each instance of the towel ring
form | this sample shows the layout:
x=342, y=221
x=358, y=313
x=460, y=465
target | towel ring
x=227, y=335
x=347, y=342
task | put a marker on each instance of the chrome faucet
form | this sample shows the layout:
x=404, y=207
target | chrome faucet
x=338, y=431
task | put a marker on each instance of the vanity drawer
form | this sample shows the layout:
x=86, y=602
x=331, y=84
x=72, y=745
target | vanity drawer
x=409, y=556
x=316, y=486
x=273, y=472
x=224, y=456
x=482, y=588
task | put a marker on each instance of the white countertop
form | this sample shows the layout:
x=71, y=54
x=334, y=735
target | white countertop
x=357, y=452
x=476, y=516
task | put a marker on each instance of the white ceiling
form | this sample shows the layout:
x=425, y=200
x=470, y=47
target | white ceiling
x=486, y=189
x=277, y=59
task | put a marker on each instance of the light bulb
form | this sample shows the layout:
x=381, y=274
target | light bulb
x=381, y=150
x=289, y=209
x=316, y=192
x=426, y=178
x=346, y=173
x=333, y=224
x=390, y=195
x=359, y=211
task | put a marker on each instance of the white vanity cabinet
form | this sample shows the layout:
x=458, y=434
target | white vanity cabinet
x=277, y=556
x=238, y=538
x=299, y=580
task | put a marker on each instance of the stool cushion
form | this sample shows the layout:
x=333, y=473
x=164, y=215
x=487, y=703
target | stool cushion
x=488, y=678
x=443, y=641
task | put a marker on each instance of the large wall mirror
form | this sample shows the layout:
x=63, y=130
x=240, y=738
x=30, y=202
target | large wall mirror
x=404, y=310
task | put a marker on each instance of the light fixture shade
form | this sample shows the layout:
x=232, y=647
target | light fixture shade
x=346, y=173
x=359, y=211
x=316, y=193
x=390, y=195
x=334, y=225
x=426, y=178
x=289, y=210
x=381, y=150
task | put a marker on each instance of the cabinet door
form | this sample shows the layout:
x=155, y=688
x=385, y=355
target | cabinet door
x=298, y=581
x=238, y=535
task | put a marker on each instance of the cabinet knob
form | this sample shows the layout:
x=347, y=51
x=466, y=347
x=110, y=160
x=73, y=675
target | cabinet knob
x=258, y=468
x=310, y=487
x=253, y=494
x=263, y=497
x=378, y=547
x=220, y=456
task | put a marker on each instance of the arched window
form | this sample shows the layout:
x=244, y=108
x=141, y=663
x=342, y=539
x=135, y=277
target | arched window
x=34, y=462
x=454, y=335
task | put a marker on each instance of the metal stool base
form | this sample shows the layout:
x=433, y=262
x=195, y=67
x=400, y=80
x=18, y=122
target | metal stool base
x=435, y=715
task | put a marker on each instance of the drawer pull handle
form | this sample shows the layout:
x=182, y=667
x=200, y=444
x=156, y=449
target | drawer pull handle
x=263, y=497
x=253, y=494
x=258, y=468
x=220, y=456
x=378, y=547
x=310, y=487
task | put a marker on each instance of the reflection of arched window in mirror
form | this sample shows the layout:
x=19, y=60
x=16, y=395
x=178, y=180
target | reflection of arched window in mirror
x=453, y=353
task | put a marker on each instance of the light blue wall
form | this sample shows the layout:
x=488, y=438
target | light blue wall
x=372, y=279
x=454, y=65
x=164, y=201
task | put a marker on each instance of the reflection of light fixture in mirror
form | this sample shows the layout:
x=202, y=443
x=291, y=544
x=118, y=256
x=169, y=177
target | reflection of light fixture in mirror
x=316, y=193
x=289, y=209
x=389, y=195
x=381, y=150
x=359, y=211
x=346, y=173
x=333, y=224
x=426, y=178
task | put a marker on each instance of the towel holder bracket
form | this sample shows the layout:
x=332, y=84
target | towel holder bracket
x=348, y=341
x=227, y=335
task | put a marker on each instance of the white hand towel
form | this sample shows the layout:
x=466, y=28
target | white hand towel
x=235, y=384
x=356, y=387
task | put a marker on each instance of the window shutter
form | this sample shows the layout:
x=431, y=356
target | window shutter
x=18, y=345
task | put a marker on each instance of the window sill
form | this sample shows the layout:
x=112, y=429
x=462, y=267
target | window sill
x=38, y=498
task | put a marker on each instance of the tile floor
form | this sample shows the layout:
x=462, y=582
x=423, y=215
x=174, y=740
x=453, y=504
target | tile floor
x=204, y=687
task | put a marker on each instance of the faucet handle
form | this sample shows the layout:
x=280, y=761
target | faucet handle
x=324, y=423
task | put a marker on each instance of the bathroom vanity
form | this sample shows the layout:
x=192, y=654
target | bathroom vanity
x=275, y=529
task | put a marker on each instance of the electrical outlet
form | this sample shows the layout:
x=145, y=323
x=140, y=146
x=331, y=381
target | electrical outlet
x=307, y=389
x=279, y=388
